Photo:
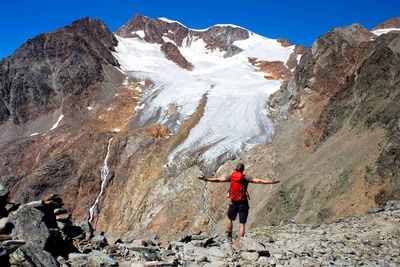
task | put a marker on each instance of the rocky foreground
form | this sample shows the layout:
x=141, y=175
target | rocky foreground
x=41, y=233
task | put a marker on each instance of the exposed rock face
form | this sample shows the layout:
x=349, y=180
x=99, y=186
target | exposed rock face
x=343, y=109
x=284, y=42
x=66, y=63
x=276, y=70
x=216, y=37
x=292, y=61
x=390, y=23
x=173, y=54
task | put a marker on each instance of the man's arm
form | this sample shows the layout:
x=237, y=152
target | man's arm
x=217, y=180
x=258, y=181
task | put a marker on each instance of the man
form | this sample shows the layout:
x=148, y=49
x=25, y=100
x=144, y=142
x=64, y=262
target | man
x=238, y=195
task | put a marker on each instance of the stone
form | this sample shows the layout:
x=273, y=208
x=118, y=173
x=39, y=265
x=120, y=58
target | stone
x=98, y=259
x=112, y=238
x=83, y=227
x=393, y=205
x=263, y=261
x=216, y=264
x=65, y=217
x=32, y=255
x=374, y=210
x=29, y=226
x=98, y=241
x=35, y=204
x=5, y=237
x=251, y=244
x=78, y=259
x=249, y=256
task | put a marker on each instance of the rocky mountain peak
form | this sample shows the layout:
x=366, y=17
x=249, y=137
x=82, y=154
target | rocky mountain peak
x=390, y=23
x=353, y=35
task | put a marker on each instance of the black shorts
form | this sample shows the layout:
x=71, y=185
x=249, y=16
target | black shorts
x=241, y=207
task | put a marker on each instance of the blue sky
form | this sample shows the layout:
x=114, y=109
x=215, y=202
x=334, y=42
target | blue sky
x=301, y=22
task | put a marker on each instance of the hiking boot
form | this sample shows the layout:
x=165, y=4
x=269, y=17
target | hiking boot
x=229, y=237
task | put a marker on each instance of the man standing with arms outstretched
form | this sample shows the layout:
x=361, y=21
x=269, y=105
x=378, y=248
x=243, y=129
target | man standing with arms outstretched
x=238, y=195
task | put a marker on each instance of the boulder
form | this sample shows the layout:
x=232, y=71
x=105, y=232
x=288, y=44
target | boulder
x=78, y=259
x=98, y=241
x=30, y=226
x=32, y=255
x=98, y=259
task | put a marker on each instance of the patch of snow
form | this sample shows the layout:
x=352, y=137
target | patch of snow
x=140, y=33
x=58, y=121
x=166, y=39
x=100, y=117
x=384, y=31
x=116, y=130
x=139, y=107
x=108, y=109
x=89, y=108
x=170, y=21
x=142, y=83
x=116, y=94
x=34, y=134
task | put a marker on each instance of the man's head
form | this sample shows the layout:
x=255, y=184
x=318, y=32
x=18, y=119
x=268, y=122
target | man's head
x=239, y=167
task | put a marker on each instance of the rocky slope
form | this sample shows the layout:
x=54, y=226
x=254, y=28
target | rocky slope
x=41, y=233
x=152, y=88
x=341, y=105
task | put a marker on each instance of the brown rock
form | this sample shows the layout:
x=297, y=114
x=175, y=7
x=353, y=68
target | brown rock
x=276, y=70
x=172, y=53
x=284, y=42
x=5, y=237
x=390, y=23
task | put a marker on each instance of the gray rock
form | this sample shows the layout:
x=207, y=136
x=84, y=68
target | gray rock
x=250, y=256
x=85, y=226
x=112, y=238
x=374, y=210
x=263, y=261
x=78, y=259
x=216, y=264
x=98, y=259
x=29, y=226
x=251, y=244
x=32, y=255
x=393, y=205
x=98, y=241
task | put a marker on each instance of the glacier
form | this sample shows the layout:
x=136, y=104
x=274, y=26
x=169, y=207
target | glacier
x=235, y=116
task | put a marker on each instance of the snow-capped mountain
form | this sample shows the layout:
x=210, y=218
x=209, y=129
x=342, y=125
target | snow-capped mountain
x=235, y=90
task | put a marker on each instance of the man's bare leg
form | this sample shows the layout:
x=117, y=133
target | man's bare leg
x=241, y=230
x=229, y=226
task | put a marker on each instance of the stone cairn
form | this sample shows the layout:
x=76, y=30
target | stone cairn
x=42, y=233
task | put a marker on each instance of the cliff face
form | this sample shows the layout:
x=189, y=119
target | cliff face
x=153, y=88
x=341, y=108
